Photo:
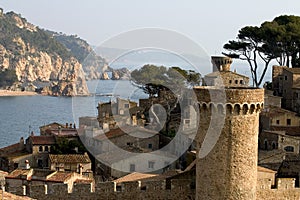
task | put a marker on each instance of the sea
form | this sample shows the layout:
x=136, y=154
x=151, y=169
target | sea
x=21, y=115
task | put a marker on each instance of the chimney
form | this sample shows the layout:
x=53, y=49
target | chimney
x=67, y=125
x=70, y=125
x=27, y=166
x=21, y=143
x=59, y=130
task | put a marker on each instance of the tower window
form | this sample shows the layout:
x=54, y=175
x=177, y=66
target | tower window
x=288, y=121
x=277, y=121
x=132, y=167
x=151, y=164
x=236, y=81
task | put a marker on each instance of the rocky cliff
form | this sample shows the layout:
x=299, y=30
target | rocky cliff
x=93, y=64
x=40, y=62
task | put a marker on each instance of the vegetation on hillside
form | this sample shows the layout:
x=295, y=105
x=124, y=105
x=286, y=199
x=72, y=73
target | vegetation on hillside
x=39, y=39
x=7, y=78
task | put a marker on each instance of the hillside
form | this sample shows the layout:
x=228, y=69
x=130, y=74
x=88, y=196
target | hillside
x=37, y=59
x=93, y=65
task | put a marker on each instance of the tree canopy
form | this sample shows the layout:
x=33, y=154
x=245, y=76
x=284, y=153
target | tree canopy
x=151, y=79
x=276, y=40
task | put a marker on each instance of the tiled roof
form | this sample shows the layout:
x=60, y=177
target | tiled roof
x=42, y=140
x=70, y=132
x=60, y=176
x=135, y=176
x=54, y=124
x=263, y=169
x=69, y=158
x=134, y=131
x=289, y=130
x=292, y=70
x=273, y=111
x=18, y=172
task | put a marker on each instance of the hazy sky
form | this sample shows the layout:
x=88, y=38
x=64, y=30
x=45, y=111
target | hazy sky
x=209, y=23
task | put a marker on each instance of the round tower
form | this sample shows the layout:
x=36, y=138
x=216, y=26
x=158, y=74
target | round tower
x=227, y=157
x=221, y=63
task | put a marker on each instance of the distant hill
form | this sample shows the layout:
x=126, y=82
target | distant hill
x=93, y=64
x=39, y=60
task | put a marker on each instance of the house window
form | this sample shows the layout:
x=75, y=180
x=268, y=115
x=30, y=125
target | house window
x=285, y=77
x=40, y=163
x=126, y=105
x=241, y=82
x=132, y=168
x=230, y=81
x=40, y=148
x=187, y=121
x=236, y=81
x=288, y=121
x=150, y=146
x=46, y=148
x=289, y=149
x=151, y=165
x=277, y=121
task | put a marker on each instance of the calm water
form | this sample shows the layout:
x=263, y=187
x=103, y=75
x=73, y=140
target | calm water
x=21, y=115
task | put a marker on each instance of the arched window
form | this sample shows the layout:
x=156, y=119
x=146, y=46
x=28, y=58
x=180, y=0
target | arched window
x=289, y=149
x=266, y=144
x=46, y=148
x=40, y=148
x=273, y=145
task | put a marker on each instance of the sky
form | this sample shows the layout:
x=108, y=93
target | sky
x=210, y=24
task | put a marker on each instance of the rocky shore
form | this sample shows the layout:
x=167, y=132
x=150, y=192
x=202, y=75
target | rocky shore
x=4, y=93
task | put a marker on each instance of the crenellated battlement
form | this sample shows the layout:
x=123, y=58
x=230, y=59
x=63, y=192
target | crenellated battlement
x=232, y=95
x=230, y=108
x=158, y=189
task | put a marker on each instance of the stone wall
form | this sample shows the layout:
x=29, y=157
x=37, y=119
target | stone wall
x=179, y=189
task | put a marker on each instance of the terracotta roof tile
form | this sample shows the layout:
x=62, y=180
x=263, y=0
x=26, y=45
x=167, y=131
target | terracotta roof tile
x=36, y=140
x=60, y=176
x=292, y=70
x=289, y=130
x=134, y=131
x=263, y=169
x=69, y=158
x=135, y=176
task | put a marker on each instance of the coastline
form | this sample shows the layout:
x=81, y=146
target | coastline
x=4, y=93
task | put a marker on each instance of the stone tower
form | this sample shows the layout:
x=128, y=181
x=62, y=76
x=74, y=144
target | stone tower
x=228, y=139
x=221, y=63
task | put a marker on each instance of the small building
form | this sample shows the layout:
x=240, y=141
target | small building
x=269, y=140
x=70, y=162
x=222, y=76
x=40, y=147
x=20, y=181
x=276, y=116
x=108, y=111
x=285, y=83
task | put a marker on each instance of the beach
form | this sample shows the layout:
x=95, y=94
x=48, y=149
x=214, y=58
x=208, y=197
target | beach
x=16, y=93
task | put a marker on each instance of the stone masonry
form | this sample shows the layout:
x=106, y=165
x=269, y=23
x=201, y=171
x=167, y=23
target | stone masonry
x=228, y=171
